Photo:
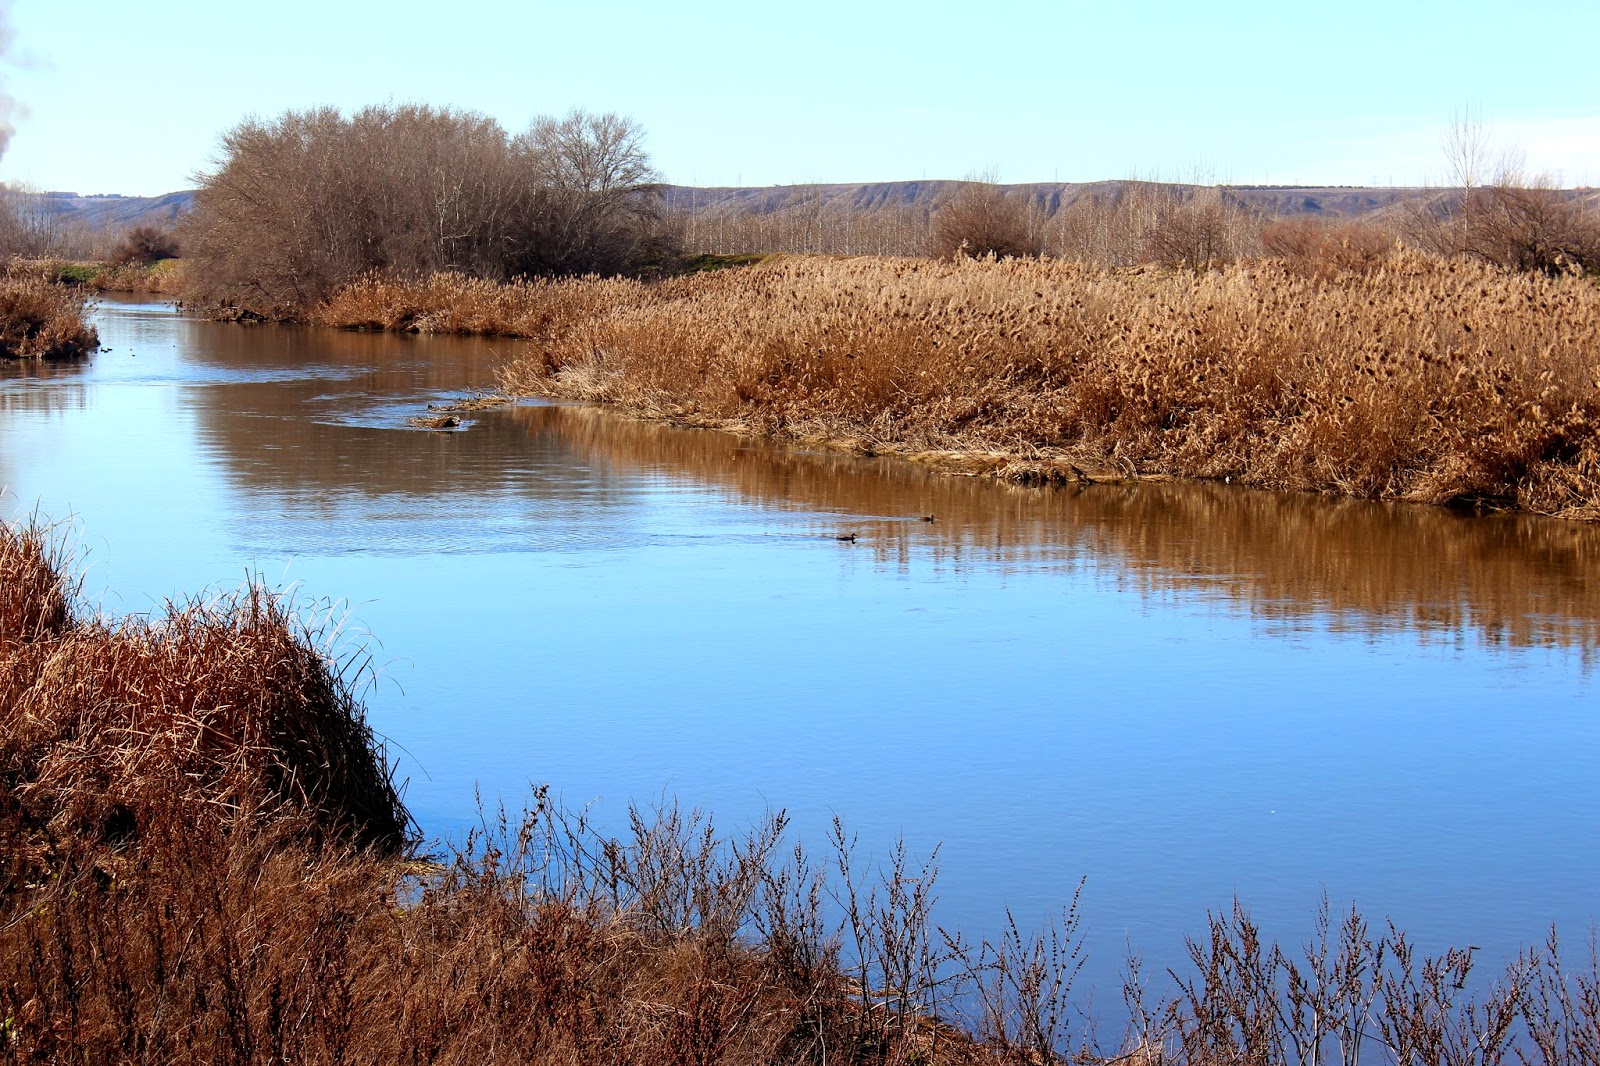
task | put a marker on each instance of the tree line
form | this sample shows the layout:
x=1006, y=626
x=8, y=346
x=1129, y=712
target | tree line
x=301, y=205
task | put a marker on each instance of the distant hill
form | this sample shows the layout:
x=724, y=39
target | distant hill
x=113, y=212
x=110, y=211
x=863, y=200
x=1273, y=201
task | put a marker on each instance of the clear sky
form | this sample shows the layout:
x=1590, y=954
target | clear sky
x=111, y=96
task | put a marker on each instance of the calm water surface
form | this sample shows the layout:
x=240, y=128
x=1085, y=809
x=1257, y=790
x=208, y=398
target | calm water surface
x=1182, y=693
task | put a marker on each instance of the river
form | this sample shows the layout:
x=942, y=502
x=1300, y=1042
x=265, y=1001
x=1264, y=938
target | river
x=1181, y=693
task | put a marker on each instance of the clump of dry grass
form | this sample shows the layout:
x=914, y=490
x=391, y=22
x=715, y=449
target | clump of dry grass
x=36, y=596
x=211, y=708
x=42, y=320
x=164, y=277
x=458, y=303
x=1423, y=379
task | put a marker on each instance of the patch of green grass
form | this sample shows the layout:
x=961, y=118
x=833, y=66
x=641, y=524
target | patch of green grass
x=78, y=273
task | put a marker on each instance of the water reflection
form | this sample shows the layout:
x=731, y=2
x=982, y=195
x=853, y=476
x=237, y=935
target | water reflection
x=309, y=425
x=319, y=440
x=1510, y=579
x=37, y=387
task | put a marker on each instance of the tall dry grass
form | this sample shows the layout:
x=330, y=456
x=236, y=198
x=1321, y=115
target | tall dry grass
x=208, y=709
x=164, y=277
x=1415, y=378
x=40, y=319
x=188, y=873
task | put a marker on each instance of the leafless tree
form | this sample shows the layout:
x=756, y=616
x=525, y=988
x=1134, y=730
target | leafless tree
x=302, y=205
x=28, y=227
x=1498, y=213
x=591, y=196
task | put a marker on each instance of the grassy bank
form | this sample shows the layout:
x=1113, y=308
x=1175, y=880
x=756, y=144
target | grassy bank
x=1414, y=378
x=163, y=277
x=42, y=320
x=202, y=859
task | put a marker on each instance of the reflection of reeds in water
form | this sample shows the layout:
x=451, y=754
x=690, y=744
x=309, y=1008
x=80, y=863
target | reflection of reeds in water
x=1362, y=565
x=52, y=387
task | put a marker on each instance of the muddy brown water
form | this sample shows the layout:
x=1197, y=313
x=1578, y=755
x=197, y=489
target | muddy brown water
x=1179, y=692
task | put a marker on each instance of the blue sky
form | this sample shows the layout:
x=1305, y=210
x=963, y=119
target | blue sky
x=132, y=98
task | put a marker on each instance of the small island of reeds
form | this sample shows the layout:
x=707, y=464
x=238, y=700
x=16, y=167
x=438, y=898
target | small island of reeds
x=1417, y=378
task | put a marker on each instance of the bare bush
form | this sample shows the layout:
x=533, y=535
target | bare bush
x=1313, y=248
x=144, y=245
x=1497, y=213
x=981, y=220
x=28, y=228
x=303, y=205
x=1197, y=228
x=1530, y=226
x=592, y=198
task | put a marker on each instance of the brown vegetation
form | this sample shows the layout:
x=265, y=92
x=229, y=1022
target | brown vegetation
x=198, y=863
x=1315, y=249
x=1109, y=224
x=164, y=277
x=40, y=319
x=302, y=206
x=145, y=245
x=1426, y=380
x=980, y=220
x=213, y=708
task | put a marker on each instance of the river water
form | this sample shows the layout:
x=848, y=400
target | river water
x=1181, y=693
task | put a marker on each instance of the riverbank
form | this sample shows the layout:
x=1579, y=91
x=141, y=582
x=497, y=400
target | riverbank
x=1420, y=379
x=42, y=320
x=164, y=277
x=205, y=860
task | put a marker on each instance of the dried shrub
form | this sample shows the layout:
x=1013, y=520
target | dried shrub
x=1195, y=228
x=1530, y=227
x=303, y=205
x=981, y=220
x=42, y=320
x=1312, y=248
x=144, y=245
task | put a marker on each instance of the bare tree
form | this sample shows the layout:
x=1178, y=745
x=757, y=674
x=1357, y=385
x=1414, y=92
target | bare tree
x=591, y=196
x=28, y=227
x=1499, y=214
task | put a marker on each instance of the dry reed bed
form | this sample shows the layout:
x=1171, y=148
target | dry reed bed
x=164, y=277
x=1425, y=379
x=41, y=320
x=175, y=887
